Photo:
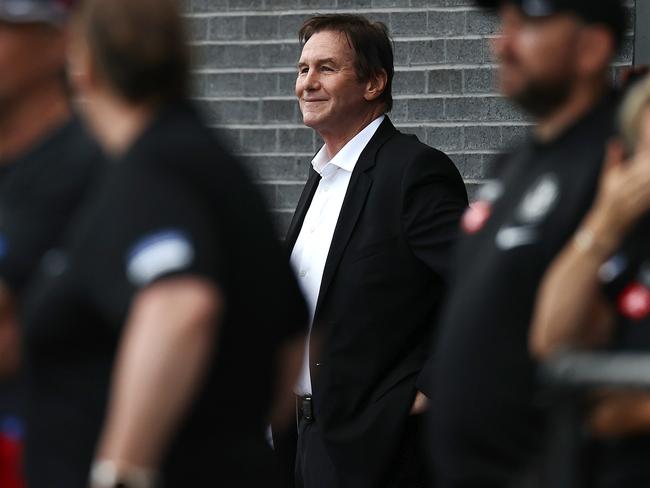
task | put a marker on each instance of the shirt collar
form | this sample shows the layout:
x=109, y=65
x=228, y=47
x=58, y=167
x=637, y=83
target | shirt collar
x=348, y=156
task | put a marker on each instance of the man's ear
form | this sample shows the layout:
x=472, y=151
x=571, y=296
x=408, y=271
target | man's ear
x=596, y=48
x=375, y=86
x=81, y=70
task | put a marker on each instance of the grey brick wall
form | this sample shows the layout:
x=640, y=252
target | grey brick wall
x=245, y=53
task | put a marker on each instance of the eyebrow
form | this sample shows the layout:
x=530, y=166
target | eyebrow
x=319, y=61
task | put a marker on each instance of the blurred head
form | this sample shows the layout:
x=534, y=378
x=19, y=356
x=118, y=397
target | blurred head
x=32, y=48
x=634, y=118
x=135, y=49
x=549, y=49
x=345, y=71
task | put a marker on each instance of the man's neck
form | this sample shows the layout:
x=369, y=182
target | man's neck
x=580, y=103
x=115, y=123
x=335, y=141
x=26, y=122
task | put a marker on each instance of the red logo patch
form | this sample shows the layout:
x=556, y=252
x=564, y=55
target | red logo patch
x=634, y=301
x=476, y=216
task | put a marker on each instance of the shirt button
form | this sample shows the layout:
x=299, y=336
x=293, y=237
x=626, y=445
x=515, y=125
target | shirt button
x=303, y=273
x=313, y=229
x=326, y=189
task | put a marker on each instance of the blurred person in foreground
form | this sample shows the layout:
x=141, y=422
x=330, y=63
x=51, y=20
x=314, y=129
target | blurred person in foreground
x=370, y=240
x=153, y=334
x=554, y=62
x=597, y=295
x=47, y=163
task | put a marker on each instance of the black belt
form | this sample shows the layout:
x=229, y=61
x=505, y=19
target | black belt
x=305, y=408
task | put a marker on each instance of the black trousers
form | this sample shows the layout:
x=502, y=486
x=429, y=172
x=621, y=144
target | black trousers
x=314, y=468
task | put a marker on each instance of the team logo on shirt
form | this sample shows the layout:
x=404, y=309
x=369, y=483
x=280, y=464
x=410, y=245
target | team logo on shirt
x=634, y=301
x=539, y=200
x=537, y=203
x=479, y=212
x=157, y=254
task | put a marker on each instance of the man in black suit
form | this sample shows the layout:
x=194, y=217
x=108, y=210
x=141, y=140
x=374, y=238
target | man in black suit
x=370, y=242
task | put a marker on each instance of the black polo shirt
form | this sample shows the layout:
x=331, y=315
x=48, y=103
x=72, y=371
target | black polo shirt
x=39, y=193
x=486, y=422
x=176, y=204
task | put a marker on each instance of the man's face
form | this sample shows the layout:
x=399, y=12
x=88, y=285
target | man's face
x=330, y=95
x=536, y=59
x=30, y=55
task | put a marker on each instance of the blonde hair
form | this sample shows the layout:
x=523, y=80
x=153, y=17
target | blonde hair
x=634, y=105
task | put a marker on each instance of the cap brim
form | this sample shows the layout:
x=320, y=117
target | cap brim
x=45, y=14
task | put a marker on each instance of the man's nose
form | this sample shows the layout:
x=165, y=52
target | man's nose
x=311, y=80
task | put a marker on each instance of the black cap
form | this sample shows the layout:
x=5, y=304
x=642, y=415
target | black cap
x=608, y=12
x=55, y=12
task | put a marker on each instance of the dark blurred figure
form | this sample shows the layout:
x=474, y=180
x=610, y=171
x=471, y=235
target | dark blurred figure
x=554, y=58
x=46, y=164
x=597, y=295
x=153, y=334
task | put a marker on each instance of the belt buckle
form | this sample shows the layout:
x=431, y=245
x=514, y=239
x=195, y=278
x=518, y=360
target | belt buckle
x=307, y=408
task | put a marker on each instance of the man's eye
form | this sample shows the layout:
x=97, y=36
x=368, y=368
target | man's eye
x=302, y=71
x=327, y=68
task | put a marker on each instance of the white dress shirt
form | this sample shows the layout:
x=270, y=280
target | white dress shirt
x=313, y=244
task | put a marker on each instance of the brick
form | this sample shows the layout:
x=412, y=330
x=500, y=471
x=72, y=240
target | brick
x=482, y=137
x=472, y=109
x=226, y=28
x=281, y=111
x=424, y=109
x=296, y=140
x=259, y=141
x=197, y=29
x=234, y=112
x=445, y=81
x=288, y=195
x=226, y=84
x=409, y=82
x=446, y=23
x=481, y=80
x=259, y=84
x=480, y=23
x=445, y=138
x=285, y=168
x=426, y=52
x=261, y=27
x=408, y=23
x=279, y=55
x=464, y=51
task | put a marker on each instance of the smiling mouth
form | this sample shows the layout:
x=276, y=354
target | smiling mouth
x=314, y=101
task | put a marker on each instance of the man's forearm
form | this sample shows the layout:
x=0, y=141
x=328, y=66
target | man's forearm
x=166, y=347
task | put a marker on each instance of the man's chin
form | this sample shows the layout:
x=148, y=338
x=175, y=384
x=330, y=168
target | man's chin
x=311, y=121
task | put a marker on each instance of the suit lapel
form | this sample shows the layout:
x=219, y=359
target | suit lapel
x=355, y=199
x=301, y=209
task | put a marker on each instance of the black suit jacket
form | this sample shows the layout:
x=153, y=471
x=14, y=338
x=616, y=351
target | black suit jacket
x=384, y=279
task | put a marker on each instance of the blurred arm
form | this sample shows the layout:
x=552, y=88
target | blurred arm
x=163, y=357
x=571, y=310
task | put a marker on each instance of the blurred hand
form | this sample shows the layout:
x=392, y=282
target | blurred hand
x=420, y=404
x=620, y=414
x=623, y=196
